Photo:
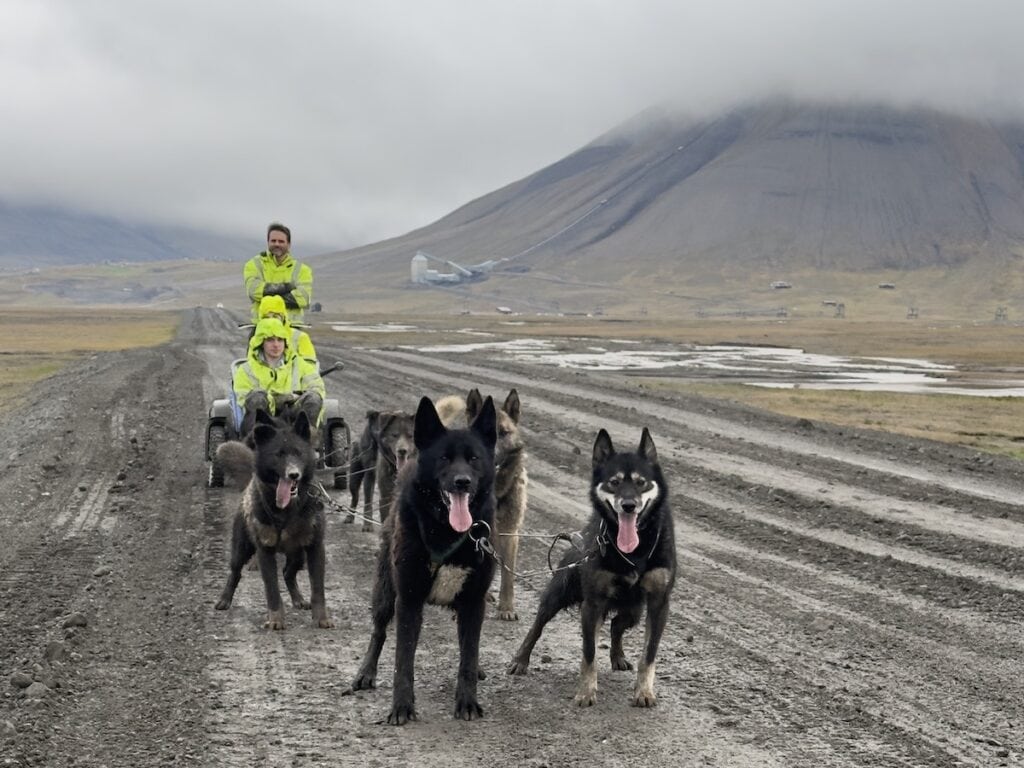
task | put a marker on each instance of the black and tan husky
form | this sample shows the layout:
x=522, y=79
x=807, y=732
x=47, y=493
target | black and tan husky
x=383, y=448
x=428, y=554
x=278, y=513
x=627, y=560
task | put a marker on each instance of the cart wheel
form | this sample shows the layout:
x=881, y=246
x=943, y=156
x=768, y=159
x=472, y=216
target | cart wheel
x=217, y=435
x=340, y=438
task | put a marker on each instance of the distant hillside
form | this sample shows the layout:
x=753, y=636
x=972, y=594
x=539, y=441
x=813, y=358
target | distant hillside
x=43, y=237
x=661, y=214
x=776, y=190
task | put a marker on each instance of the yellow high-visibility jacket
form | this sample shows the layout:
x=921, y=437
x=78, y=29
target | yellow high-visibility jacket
x=274, y=306
x=263, y=268
x=294, y=374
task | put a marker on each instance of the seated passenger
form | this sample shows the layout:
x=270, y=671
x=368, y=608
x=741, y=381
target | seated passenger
x=273, y=306
x=273, y=374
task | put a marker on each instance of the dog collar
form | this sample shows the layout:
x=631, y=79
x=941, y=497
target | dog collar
x=603, y=539
x=438, y=558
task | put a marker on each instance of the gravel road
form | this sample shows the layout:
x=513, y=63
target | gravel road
x=846, y=598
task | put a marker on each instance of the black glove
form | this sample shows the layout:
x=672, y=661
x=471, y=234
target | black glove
x=276, y=289
x=290, y=301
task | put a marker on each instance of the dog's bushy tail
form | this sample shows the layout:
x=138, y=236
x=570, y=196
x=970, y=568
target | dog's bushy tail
x=237, y=458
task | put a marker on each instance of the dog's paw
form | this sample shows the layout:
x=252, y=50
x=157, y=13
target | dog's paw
x=585, y=697
x=367, y=527
x=222, y=605
x=401, y=714
x=364, y=680
x=507, y=615
x=349, y=519
x=468, y=709
x=518, y=667
x=324, y=623
x=619, y=663
x=644, y=697
x=274, y=621
x=301, y=604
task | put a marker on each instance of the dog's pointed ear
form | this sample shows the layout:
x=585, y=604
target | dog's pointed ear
x=263, y=433
x=511, y=406
x=603, y=448
x=263, y=417
x=647, y=449
x=474, y=402
x=372, y=417
x=385, y=420
x=486, y=423
x=302, y=426
x=427, y=428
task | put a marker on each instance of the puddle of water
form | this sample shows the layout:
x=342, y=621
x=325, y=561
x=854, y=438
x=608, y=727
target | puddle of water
x=381, y=328
x=774, y=367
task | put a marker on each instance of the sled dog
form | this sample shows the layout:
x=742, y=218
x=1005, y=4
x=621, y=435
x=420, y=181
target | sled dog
x=627, y=561
x=509, y=484
x=428, y=554
x=278, y=513
x=384, y=446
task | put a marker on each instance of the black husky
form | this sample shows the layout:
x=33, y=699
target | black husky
x=278, y=512
x=428, y=554
x=628, y=558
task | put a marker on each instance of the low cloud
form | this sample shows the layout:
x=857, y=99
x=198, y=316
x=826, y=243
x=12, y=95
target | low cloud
x=356, y=122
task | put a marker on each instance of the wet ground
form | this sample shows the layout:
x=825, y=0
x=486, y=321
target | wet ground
x=846, y=597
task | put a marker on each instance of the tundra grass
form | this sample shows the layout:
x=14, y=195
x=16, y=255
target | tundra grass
x=986, y=350
x=39, y=343
x=989, y=424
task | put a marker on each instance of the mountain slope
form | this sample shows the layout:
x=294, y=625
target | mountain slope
x=777, y=188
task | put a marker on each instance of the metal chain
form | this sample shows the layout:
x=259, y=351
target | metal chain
x=483, y=542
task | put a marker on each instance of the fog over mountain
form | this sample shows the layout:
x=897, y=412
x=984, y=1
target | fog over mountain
x=47, y=236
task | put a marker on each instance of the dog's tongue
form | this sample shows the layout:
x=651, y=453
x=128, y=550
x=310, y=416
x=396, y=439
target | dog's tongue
x=284, y=492
x=627, y=540
x=458, y=513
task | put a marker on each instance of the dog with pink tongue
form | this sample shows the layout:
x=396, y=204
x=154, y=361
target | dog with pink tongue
x=429, y=554
x=625, y=562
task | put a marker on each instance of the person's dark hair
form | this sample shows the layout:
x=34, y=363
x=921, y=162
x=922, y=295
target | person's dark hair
x=279, y=227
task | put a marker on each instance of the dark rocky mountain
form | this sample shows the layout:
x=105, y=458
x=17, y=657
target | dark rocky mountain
x=768, y=191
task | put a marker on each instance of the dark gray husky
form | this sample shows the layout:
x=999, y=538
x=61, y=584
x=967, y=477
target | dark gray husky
x=627, y=561
x=278, y=513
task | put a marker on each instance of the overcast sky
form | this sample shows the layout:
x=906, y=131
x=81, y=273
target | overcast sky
x=354, y=121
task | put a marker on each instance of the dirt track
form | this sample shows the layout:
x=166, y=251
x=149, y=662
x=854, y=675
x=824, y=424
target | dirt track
x=845, y=598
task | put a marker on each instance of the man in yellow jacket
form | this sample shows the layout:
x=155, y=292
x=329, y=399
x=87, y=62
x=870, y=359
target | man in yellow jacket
x=275, y=272
x=273, y=306
x=273, y=375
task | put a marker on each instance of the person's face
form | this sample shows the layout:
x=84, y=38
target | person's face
x=277, y=243
x=273, y=348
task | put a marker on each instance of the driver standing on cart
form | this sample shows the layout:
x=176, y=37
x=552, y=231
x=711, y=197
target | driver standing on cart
x=275, y=272
x=273, y=375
